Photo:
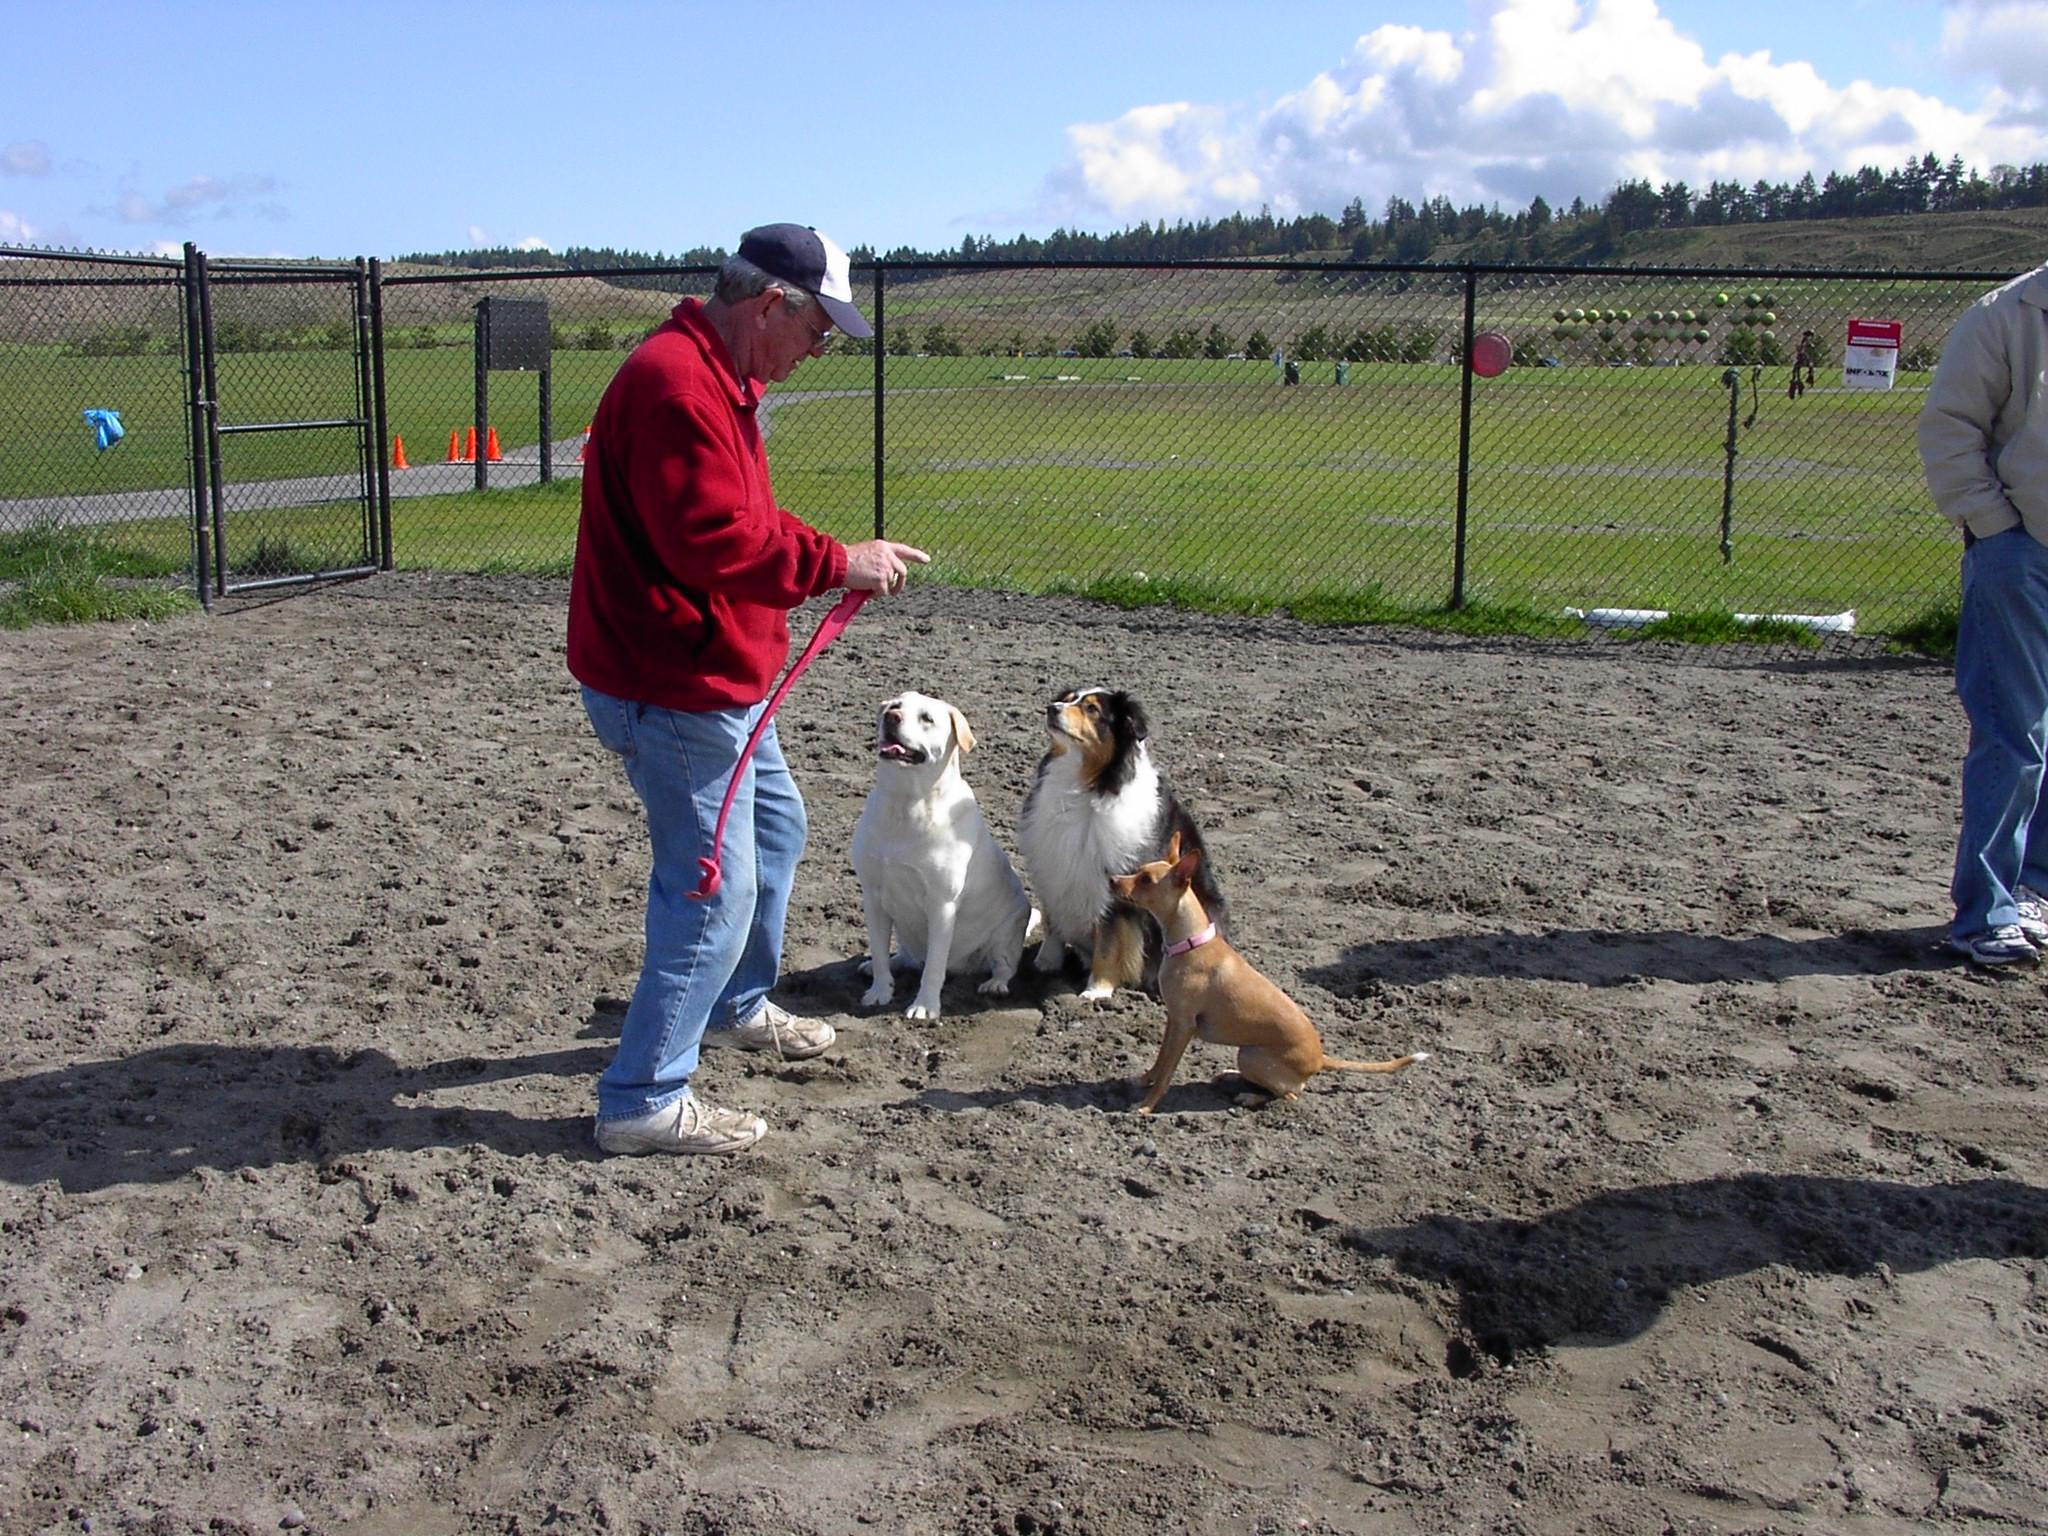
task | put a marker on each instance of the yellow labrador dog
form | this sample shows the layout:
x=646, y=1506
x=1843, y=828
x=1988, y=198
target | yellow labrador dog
x=931, y=873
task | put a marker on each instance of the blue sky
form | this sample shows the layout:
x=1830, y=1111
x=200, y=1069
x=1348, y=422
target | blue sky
x=376, y=128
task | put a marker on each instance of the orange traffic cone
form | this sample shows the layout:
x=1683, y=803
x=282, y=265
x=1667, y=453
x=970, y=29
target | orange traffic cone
x=583, y=453
x=455, y=446
x=398, y=454
x=491, y=447
x=469, y=447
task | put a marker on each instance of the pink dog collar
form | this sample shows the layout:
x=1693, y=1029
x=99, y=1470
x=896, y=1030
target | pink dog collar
x=1192, y=941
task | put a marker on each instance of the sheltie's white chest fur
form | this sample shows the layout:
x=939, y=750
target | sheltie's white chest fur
x=1074, y=838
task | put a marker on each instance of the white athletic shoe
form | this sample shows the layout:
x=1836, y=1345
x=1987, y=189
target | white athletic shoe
x=687, y=1126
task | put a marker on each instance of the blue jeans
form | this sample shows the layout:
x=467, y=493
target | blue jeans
x=2002, y=681
x=709, y=963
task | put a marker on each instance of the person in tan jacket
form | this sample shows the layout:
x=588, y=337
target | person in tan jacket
x=1983, y=437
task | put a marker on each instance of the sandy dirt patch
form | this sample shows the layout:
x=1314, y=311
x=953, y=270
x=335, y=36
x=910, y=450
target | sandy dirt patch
x=1719, y=1208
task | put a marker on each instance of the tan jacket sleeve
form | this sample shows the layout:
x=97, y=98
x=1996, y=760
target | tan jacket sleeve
x=1957, y=430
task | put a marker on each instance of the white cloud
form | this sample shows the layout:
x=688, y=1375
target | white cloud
x=1150, y=157
x=2004, y=39
x=481, y=239
x=201, y=196
x=25, y=157
x=15, y=230
x=1558, y=98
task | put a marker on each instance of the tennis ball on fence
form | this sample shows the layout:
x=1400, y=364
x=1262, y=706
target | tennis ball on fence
x=1688, y=317
x=1720, y=299
x=1754, y=299
x=1766, y=300
x=1700, y=334
x=1561, y=316
x=1621, y=314
x=1578, y=314
x=1770, y=318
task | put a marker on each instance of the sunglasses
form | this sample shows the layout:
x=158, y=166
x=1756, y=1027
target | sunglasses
x=820, y=338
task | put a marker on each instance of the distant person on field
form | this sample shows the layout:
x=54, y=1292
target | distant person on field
x=1802, y=365
x=1984, y=442
x=685, y=573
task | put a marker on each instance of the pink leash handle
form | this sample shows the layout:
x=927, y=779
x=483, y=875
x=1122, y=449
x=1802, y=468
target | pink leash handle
x=829, y=629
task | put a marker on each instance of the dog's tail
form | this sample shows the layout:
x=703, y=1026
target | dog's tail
x=1333, y=1064
x=1034, y=925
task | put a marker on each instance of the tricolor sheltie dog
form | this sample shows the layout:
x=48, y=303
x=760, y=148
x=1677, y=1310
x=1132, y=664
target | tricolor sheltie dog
x=1098, y=807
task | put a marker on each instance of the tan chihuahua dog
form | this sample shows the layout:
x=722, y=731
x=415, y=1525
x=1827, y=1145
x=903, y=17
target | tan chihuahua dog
x=1213, y=991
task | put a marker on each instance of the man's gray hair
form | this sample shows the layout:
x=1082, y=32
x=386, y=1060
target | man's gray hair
x=739, y=280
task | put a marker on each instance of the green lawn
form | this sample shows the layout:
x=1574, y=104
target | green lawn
x=47, y=450
x=1589, y=487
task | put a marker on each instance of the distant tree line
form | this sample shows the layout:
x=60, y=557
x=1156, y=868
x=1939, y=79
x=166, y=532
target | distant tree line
x=578, y=258
x=1412, y=232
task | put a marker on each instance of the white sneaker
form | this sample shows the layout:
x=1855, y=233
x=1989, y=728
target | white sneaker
x=687, y=1126
x=2004, y=945
x=782, y=1034
x=2033, y=920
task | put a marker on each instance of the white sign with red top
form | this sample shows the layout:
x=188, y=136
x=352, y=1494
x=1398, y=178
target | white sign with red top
x=1871, y=359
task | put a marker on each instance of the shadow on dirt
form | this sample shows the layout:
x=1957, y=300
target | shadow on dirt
x=1601, y=958
x=1600, y=1272
x=157, y=1115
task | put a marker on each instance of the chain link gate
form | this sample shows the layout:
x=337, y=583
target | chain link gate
x=285, y=401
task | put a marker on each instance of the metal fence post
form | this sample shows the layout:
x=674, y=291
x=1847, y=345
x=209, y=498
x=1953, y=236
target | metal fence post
x=482, y=428
x=547, y=421
x=1731, y=379
x=217, y=494
x=195, y=426
x=1464, y=438
x=880, y=396
x=369, y=436
x=381, y=421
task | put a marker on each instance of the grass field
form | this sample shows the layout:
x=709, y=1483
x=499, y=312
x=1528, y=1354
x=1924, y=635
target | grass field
x=1589, y=486
x=47, y=450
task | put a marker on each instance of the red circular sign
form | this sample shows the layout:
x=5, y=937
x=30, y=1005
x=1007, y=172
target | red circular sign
x=1491, y=354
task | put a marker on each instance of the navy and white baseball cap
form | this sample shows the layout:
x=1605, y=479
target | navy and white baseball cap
x=800, y=255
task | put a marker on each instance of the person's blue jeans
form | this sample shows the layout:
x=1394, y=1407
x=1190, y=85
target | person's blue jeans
x=2002, y=681
x=709, y=963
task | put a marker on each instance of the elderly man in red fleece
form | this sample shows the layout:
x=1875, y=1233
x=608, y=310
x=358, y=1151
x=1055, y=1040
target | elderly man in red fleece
x=686, y=569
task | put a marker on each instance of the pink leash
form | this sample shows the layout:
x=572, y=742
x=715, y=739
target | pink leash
x=829, y=629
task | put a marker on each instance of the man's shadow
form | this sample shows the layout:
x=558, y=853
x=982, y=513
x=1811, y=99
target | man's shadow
x=1601, y=1271
x=160, y=1114
x=1600, y=957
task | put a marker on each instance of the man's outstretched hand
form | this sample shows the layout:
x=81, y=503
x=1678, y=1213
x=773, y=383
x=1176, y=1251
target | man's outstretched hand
x=881, y=565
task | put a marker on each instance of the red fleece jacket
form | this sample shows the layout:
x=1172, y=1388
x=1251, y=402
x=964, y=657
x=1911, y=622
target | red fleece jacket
x=686, y=569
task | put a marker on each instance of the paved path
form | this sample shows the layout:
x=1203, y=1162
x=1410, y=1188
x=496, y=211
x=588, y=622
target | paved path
x=516, y=469
x=308, y=491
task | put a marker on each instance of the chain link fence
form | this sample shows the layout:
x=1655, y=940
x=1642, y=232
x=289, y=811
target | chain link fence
x=1242, y=435
x=93, y=402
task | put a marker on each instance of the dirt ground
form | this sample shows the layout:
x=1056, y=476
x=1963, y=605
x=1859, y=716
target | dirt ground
x=1720, y=1207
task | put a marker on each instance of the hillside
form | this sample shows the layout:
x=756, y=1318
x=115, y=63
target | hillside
x=2012, y=240
x=125, y=308
x=102, y=306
